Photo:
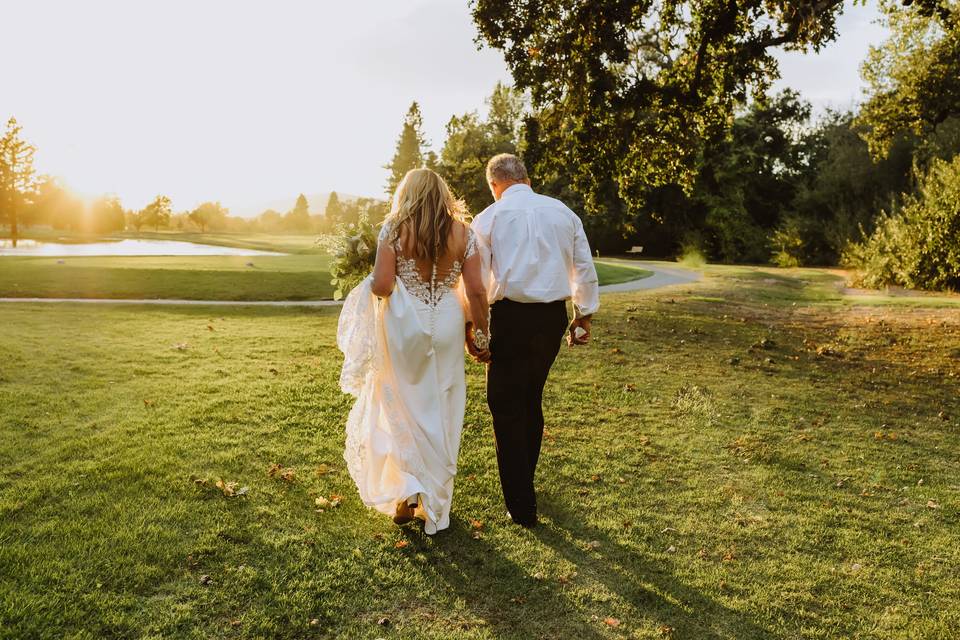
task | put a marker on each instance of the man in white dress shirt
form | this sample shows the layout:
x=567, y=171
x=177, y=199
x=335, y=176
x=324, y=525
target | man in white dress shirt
x=535, y=258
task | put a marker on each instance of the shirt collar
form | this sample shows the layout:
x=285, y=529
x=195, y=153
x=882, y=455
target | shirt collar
x=516, y=188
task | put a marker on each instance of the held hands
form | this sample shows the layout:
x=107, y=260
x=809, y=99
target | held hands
x=579, y=332
x=480, y=355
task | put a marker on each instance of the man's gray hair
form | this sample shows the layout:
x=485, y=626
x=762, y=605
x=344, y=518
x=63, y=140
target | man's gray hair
x=506, y=167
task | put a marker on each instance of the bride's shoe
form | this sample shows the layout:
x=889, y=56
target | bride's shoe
x=403, y=514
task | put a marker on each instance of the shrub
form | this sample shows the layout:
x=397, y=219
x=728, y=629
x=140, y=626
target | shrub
x=919, y=246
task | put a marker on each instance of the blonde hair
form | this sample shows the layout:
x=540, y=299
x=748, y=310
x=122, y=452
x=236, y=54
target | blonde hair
x=424, y=202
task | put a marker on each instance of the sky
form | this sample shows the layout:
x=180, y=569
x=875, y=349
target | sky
x=245, y=101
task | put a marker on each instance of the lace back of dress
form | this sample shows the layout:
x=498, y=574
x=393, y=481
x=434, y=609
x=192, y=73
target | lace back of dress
x=426, y=279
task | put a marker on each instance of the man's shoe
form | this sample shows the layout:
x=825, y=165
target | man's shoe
x=527, y=523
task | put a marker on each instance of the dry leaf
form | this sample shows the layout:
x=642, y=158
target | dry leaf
x=476, y=524
x=323, y=470
x=228, y=489
x=932, y=504
x=401, y=544
x=611, y=622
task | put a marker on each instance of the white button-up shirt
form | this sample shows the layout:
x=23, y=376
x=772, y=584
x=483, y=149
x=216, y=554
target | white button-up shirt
x=534, y=250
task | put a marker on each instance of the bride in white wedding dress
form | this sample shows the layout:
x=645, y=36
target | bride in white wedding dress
x=402, y=332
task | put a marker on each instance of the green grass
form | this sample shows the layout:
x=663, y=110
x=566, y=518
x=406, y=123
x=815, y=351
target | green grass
x=303, y=275
x=294, y=277
x=610, y=273
x=718, y=464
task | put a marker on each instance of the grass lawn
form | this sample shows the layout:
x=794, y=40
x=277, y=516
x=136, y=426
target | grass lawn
x=293, y=277
x=302, y=275
x=738, y=458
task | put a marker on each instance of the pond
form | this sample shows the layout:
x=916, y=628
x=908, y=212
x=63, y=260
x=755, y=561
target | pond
x=126, y=247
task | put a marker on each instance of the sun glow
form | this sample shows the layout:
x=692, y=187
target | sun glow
x=242, y=102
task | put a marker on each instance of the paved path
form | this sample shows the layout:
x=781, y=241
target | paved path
x=662, y=277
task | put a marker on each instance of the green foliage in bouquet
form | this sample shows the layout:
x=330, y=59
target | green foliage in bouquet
x=353, y=247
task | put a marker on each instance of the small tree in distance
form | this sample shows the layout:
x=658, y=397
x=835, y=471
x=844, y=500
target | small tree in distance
x=157, y=213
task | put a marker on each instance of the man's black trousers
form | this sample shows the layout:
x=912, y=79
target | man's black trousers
x=525, y=341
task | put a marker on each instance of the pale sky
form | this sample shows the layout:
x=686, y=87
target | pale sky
x=246, y=101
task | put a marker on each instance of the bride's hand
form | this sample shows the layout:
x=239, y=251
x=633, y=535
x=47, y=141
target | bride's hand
x=482, y=356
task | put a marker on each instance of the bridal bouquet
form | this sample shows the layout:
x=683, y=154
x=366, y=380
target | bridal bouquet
x=353, y=248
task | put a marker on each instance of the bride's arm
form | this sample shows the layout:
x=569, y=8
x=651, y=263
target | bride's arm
x=476, y=293
x=384, y=270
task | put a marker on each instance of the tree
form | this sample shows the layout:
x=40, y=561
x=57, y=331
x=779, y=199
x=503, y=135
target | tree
x=157, y=213
x=333, y=213
x=471, y=142
x=298, y=218
x=106, y=215
x=913, y=78
x=134, y=219
x=917, y=247
x=17, y=178
x=627, y=93
x=270, y=220
x=410, y=152
x=208, y=215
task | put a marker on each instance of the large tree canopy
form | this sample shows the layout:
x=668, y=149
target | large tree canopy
x=913, y=77
x=629, y=90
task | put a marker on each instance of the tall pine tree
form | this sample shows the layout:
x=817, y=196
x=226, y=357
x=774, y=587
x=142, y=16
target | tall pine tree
x=298, y=219
x=16, y=175
x=410, y=152
x=333, y=214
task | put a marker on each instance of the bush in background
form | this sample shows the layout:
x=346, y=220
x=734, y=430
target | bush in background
x=917, y=247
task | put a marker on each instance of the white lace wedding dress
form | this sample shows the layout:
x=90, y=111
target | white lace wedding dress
x=404, y=362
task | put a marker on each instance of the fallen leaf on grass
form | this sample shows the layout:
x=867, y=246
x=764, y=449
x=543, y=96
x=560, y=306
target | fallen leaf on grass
x=665, y=630
x=932, y=504
x=209, y=327
x=328, y=503
x=611, y=622
x=476, y=524
x=323, y=470
x=228, y=489
x=287, y=474
x=593, y=544
x=401, y=544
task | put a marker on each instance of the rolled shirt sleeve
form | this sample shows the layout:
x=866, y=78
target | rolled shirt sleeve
x=584, y=284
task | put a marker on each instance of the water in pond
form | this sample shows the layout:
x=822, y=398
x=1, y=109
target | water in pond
x=123, y=248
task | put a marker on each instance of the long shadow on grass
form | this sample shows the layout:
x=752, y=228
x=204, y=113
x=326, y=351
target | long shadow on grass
x=502, y=593
x=645, y=585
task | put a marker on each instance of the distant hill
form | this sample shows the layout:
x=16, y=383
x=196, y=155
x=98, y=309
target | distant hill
x=317, y=202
